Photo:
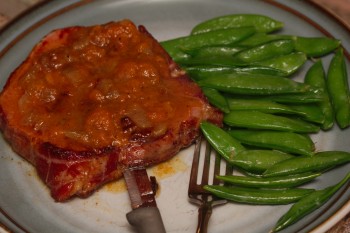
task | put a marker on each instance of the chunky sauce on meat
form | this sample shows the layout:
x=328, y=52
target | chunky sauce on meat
x=99, y=86
x=90, y=101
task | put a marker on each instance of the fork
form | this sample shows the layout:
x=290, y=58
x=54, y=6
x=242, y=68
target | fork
x=196, y=193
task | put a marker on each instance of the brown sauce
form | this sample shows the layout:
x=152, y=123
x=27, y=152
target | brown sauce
x=97, y=86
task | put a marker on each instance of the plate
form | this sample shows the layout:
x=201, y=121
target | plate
x=25, y=203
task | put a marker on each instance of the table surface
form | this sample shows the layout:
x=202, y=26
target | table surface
x=9, y=9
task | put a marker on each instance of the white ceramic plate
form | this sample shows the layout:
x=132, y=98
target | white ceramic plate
x=25, y=203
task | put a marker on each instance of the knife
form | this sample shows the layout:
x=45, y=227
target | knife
x=145, y=215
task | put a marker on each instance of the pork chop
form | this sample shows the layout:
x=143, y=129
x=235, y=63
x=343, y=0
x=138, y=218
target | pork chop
x=90, y=101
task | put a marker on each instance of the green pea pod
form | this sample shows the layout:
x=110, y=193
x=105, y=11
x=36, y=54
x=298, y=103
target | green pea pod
x=245, y=57
x=240, y=83
x=260, y=22
x=212, y=61
x=312, y=113
x=262, y=105
x=177, y=47
x=260, y=120
x=221, y=141
x=215, y=51
x=288, y=142
x=265, y=51
x=258, y=196
x=199, y=72
x=311, y=96
x=258, y=161
x=316, y=46
x=289, y=63
x=262, y=38
x=338, y=88
x=308, y=204
x=216, y=99
x=321, y=161
x=308, y=112
x=316, y=77
x=269, y=182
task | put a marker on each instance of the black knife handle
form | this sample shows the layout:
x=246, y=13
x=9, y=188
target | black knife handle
x=146, y=220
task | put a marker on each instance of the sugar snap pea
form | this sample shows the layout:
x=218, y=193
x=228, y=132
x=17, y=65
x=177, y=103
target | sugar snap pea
x=265, y=51
x=289, y=63
x=215, y=51
x=338, y=88
x=260, y=22
x=198, y=72
x=267, y=106
x=221, y=141
x=240, y=83
x=316, y=77
x=213, y=60
x=316, y=46
x=177, y=47
x=311, y=96
x=308, y=204
x=260, y=120
x=262, y=38
x=268, y=182
x=258, y=196
x=216, y=68
x=288, y=142
x=272, y=54
x=311, y=46
x=261, y=104
x=224, y=68
x=321, y=161
x=310, y=112
x=258, y=161
x=216, y=99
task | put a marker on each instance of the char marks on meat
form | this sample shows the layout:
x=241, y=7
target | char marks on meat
x=90, y=101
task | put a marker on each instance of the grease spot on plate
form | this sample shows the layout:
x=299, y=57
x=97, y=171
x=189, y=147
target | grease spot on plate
x=116, y=186
x=169, y=168
x=160, y=171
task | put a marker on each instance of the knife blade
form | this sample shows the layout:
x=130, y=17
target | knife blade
x=145, y=215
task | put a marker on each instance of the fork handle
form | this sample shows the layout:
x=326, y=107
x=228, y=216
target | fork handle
x=204, y=213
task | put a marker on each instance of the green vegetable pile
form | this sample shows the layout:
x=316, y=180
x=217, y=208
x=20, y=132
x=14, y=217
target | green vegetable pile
x=248, y=71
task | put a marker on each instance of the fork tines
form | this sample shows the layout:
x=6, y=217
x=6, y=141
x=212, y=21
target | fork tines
x=203, y=170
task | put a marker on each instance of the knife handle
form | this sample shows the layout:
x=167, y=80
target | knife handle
x=146, y=220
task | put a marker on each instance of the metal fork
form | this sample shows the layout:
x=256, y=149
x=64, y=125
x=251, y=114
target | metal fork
x=196, y=193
